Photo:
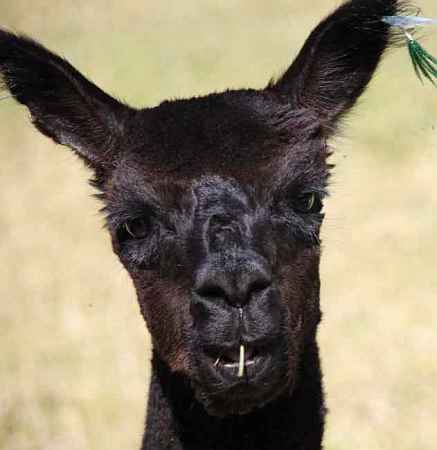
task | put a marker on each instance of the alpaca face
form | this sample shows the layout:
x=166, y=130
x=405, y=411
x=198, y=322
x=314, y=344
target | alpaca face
x=227, y=253
x=214, y=204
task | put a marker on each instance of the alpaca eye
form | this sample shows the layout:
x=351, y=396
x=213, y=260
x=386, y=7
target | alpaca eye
x=308, y=203
x=136, y=228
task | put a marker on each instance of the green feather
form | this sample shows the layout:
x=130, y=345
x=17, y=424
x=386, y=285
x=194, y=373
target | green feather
x=414, y=60
x=425, y=70
x=430, y=67
x=427, y=55
x=423, y=62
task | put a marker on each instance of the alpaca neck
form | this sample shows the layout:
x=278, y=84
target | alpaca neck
x=177, y=421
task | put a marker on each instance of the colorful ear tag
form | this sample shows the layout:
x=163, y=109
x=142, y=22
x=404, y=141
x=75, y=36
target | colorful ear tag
x=425, y=65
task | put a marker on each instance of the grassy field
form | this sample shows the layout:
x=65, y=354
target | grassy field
x=73, y=349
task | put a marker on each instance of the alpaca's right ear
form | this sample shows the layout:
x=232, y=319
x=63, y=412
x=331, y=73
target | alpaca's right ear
x=63, y=104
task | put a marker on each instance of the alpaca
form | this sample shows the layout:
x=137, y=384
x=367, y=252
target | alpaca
x=214, y=206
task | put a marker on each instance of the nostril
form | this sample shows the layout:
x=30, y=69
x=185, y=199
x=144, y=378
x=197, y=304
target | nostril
x=259, y=286
x=211, y=291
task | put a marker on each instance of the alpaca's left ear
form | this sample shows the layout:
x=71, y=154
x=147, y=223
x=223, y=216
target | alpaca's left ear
x=63, y=104
x=338, y=59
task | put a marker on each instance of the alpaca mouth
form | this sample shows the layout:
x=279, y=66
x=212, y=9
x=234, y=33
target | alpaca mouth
x=224, y=389
x=239, y=364
x=238, y=360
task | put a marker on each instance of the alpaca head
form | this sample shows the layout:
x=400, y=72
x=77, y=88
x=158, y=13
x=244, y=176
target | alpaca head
x=214, y=204
x=217, y=220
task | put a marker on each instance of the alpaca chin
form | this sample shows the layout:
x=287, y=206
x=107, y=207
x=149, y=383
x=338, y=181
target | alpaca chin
x=239, y=401
x=224, y=395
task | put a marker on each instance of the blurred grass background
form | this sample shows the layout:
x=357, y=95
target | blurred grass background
x=73, y=349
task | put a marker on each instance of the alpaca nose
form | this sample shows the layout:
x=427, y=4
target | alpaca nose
x=236, y=282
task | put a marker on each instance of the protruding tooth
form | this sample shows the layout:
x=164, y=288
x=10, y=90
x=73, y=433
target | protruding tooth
x=242, y=362
x=217, y=362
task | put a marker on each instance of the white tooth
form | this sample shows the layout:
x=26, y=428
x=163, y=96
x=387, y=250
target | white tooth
x=217, y=362
x=241, y=366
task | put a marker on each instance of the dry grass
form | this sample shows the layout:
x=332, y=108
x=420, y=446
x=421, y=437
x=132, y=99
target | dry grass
x=73, y=348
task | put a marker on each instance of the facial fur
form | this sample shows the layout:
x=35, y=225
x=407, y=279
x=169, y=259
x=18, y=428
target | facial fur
x=223, y=259
x=214, y=204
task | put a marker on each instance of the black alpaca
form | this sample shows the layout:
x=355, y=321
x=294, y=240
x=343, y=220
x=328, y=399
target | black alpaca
x=214, y=208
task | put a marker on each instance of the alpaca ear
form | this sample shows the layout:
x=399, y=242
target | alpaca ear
x=338, y=59
x=63, y=104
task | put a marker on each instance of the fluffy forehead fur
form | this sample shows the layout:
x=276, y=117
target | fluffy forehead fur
x=234, y=133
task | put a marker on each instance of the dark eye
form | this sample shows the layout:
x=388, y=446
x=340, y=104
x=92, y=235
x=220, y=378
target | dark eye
x=134, y=229
x=308, y=203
